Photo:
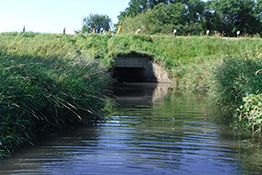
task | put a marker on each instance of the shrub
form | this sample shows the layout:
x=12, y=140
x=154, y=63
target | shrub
x=249, y=114
x=236, y=78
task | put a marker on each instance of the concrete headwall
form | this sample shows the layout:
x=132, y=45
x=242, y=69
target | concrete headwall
x=160, y=73
x=132, y=62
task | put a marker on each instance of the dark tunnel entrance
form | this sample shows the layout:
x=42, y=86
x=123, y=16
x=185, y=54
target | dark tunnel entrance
x=130, y=74
x=138, y=69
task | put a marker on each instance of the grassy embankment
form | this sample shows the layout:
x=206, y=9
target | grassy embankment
x=49, y=81
x=225, y=69
x=45, y=83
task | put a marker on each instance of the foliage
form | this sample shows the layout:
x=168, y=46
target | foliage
x=236, y=78
x=249, y=114
x=36, y=44
x=49, y=81
x=45, y=84
x=194, y=16
x=160, y=19
x=230, y=16
x=139, y=6
x=94, y=45
x=95, y=21
x=130, y=43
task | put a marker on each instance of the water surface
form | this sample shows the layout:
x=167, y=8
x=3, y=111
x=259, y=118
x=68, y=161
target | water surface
x=152, y=131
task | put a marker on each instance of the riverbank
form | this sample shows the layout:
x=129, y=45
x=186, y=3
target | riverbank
x=52, y=81
x=46, y=85
x=224, y=69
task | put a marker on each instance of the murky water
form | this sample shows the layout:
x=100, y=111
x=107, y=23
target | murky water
x=151, y=132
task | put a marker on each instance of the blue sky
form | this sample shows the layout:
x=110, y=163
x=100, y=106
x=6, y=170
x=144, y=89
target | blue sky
x=51, y=16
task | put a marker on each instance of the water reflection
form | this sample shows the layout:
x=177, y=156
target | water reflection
x=140, y=94
x=165, y=135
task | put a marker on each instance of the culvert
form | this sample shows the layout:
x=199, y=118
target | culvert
x=138, y=69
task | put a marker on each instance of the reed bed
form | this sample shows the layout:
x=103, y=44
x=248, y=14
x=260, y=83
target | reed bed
x=45, y=85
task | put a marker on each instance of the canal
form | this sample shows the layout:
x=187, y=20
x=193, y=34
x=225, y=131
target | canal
x=151, y=131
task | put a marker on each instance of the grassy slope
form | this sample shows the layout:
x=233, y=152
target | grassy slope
x=58, y=75
x=45, y=83
x=188, y=59
x=223, y=68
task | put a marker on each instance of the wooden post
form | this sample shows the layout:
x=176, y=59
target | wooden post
x=24, y=29
x=64, y=30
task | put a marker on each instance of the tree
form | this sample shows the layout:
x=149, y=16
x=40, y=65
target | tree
x=139, y=6
x=190, y=17
x=230, y=16
x=194, y=16
x=161, y=19
x=95, y=21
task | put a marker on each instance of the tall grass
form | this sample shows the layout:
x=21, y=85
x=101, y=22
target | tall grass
x=46, y=84
x=237, y=90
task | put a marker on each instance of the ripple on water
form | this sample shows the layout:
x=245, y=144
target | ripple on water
x=146, y=140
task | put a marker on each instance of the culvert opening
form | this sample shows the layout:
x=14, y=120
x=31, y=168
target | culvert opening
x=130, y=74
x=135, y=68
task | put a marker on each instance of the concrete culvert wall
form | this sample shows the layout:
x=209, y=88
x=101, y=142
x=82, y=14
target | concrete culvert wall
x=138, y=69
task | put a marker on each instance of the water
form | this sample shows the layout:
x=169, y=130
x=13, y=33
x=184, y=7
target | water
x=151, y=132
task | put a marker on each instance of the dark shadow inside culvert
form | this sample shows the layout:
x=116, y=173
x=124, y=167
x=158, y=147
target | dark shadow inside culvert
x=130, y=74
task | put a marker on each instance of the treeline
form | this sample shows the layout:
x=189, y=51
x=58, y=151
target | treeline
x=194, y=17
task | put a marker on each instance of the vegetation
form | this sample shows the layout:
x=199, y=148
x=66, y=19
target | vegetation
x=222, y=68
x=46, y=84
x=193, y=17
x=95, y=21
x=152, y=21
x=238, y=88
x=50, y=81
x=249, y=114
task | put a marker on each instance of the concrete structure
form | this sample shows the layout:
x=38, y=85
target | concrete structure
x=139, y=69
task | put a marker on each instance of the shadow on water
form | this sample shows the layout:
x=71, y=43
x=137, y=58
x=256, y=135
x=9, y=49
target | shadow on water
x=151, y=131
x=136, y=94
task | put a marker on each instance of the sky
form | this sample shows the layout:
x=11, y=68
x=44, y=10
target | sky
x=51, y=16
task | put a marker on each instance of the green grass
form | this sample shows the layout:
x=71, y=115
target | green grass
x=51, y=81
x=46, y=84
x=218, y=67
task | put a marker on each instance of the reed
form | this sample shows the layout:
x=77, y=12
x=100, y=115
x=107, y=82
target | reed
x=238, y=86
x=45, y=84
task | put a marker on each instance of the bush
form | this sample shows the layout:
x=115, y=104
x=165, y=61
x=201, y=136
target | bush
x=249, y=114
x=236, y=78
x=161, y=19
